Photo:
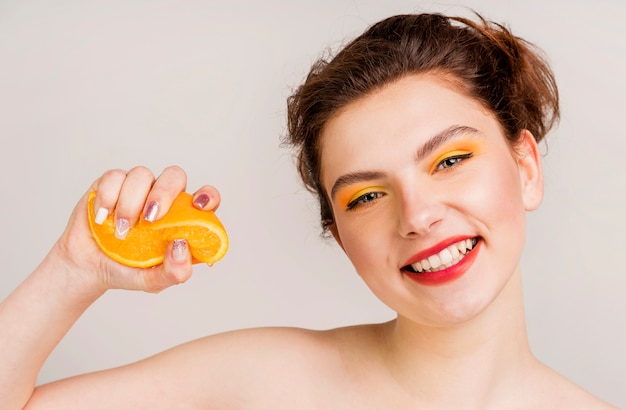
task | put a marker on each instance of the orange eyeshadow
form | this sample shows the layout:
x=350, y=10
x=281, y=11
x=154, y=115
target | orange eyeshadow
x=349, y=194
x=460, y=147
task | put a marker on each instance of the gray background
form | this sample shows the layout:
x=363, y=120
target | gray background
x=90, y=85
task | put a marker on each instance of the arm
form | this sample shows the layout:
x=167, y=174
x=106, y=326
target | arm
x=251, y=368
x=36, y=316
x=33, y=319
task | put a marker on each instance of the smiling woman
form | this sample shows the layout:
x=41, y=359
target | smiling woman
x=419, y=138
x=439, y=165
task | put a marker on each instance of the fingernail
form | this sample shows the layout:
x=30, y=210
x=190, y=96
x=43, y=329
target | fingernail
x=121, y=228
x=151, y=211
x=179, y=250
x=201, y=201
x=101, y=215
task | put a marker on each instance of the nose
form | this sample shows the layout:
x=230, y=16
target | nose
x=420, y=211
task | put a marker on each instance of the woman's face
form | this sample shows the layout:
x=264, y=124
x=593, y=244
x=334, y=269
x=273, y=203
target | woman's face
x=429, y=199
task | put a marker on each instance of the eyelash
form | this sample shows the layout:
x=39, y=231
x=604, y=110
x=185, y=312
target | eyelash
x=369, y=197
x=456, y=158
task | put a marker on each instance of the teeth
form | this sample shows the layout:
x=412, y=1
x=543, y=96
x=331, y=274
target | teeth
x=461, y=246
x=434, y=261
x=446, y=258
x=454, y=252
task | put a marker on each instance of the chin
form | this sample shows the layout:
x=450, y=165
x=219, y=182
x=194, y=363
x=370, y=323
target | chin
x=459, y=310
x=465, y=305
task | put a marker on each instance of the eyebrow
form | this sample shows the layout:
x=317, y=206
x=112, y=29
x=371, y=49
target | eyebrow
x=352, y=178
x=429, y=146
x=441, y=138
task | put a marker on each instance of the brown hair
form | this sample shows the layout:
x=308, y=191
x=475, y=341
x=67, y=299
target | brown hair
x=507, y=74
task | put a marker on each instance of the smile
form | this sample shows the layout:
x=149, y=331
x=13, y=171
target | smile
x=446, y=258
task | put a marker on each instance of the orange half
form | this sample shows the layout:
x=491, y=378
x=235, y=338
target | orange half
x=146, y=242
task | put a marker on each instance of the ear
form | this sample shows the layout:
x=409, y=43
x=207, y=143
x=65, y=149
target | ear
x=332, y=227
x=529, y=165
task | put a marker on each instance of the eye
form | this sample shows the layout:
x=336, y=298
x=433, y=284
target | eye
x=364, y=199
x=452, y=161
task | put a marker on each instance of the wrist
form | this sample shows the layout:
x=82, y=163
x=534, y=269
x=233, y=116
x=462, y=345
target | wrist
x=76, y=281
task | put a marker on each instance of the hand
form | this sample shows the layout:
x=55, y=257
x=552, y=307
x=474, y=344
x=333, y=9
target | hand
x=130, y=196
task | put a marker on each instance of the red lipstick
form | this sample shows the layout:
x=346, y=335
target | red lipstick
x=445, y=275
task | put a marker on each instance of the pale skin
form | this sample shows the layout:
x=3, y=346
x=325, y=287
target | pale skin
x=458, y=344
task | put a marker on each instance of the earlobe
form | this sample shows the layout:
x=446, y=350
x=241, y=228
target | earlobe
x=529, y=165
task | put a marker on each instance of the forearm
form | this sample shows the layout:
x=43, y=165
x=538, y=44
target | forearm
x=33, y=319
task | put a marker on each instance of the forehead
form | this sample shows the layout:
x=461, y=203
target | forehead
x=419, y=100
x=401, y=115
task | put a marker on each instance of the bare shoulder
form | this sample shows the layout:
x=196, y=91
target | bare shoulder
x=285, y=349
x=274, y=365
x=253, y=368
x=557, y=391
x=281, y=343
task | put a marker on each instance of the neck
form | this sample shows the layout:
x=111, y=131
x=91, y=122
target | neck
x=481, y=358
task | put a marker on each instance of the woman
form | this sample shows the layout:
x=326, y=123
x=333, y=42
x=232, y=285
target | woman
x=420, y=140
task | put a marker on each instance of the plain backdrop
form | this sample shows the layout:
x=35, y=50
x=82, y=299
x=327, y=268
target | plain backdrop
x=86, y=86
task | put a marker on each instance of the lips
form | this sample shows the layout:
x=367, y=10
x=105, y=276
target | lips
x=447, y=257
x=444, y=262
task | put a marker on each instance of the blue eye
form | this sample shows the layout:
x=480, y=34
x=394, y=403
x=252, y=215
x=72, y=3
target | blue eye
x=365, y=199
x=452, y=161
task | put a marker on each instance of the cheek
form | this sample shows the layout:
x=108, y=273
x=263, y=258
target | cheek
x=359, y=244
x=506, y=187
x=364, y=243
x=498, y=197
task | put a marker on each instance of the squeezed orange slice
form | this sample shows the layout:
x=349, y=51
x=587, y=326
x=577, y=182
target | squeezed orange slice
x=146, y=242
